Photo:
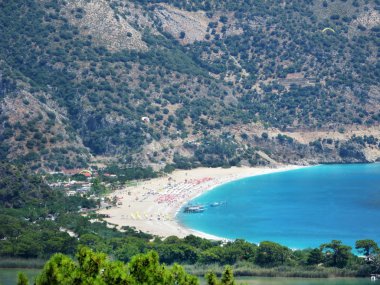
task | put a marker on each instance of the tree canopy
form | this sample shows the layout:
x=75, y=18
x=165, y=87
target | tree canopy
x=95, y=268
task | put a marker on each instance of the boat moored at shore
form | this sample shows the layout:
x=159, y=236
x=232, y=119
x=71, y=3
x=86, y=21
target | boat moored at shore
x=194, y=209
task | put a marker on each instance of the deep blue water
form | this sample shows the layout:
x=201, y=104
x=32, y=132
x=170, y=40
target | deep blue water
x=299, y=208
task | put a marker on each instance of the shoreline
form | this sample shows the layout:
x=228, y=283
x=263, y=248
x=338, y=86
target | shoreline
x=152, y=206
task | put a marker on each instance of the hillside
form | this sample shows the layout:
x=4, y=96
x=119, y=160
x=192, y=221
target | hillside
x=212, y=83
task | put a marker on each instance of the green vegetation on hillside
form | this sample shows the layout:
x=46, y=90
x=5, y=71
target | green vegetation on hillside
x=37, y=221
x=283, y=69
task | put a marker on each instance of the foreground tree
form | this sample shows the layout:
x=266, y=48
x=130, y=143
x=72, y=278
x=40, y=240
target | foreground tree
x=227, y=277
x=95, y=269
x=22, y=279
x=211, y=278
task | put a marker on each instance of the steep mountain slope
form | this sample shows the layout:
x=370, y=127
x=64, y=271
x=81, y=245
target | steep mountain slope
x=194, y=82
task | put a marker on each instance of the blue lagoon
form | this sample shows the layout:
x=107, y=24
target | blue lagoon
x=300, y=208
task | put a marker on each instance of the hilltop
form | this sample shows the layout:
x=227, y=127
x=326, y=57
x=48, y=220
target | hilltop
x=189, y=83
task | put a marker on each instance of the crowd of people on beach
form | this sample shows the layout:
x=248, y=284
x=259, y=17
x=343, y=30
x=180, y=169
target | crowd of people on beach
x=172, y=193
x=166, y=200
x=152, y=205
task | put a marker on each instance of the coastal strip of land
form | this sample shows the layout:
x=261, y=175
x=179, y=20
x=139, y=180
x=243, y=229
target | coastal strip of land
x=151, y=206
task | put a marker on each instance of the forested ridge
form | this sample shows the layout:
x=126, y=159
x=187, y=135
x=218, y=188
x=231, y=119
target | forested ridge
x=77, y=77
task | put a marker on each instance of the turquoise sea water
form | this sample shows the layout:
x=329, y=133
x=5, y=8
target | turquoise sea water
x=299, y=208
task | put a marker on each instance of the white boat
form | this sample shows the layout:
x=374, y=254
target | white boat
x=194, y=209
x=217, y=204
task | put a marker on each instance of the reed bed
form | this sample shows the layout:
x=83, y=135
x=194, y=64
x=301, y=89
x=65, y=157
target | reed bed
x=246, y=270
x=22, y=263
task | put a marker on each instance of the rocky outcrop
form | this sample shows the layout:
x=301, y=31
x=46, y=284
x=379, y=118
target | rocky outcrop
x=193, y=25
x=97, y=19
x=36, y=131
x=368, y=19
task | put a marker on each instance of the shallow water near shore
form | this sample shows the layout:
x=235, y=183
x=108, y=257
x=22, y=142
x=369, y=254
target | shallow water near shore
x=299, y=208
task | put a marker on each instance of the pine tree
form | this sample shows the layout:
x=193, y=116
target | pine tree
x=228, y=276
x=22, y=279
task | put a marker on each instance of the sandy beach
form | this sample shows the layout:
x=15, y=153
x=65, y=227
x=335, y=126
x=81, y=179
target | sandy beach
x=151, y=206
